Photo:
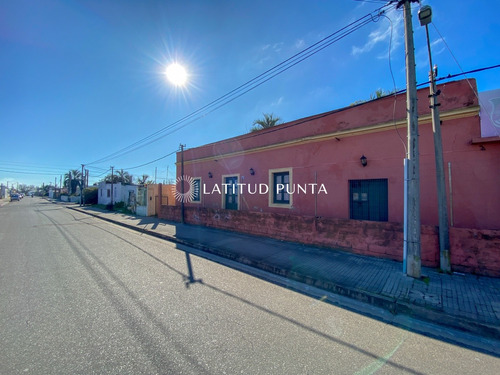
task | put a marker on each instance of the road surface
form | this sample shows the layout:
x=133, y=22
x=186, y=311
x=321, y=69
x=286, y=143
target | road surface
x=82, y=296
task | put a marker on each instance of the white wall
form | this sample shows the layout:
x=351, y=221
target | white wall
x=120, y=193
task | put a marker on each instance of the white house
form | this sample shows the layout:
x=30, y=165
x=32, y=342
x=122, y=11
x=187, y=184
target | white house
x=121, y=193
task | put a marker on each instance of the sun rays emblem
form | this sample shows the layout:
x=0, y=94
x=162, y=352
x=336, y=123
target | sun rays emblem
x=189, y=189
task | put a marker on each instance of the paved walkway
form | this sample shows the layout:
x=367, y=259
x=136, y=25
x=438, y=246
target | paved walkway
x=467, y=302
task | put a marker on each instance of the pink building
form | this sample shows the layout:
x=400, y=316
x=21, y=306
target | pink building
x=336, y=180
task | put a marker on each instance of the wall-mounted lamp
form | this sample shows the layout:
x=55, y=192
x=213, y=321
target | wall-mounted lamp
x=210, y=175
x=252, y=172
x=364, y=160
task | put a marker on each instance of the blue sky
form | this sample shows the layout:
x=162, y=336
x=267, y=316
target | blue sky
x=81, y=80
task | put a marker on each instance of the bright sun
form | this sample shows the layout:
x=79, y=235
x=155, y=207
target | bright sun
x=176, y=74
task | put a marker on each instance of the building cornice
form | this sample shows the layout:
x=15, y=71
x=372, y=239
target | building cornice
x=375, y=128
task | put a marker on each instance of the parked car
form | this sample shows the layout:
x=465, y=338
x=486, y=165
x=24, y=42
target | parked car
x=14, y=197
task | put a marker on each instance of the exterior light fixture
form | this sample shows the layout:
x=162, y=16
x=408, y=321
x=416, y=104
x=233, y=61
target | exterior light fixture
x=364, y=160
x=425, y=15
x=210, y=175
x=252, y=172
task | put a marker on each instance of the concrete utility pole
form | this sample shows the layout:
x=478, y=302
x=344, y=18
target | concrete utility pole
x=414, y=261
x=112, y=187
x=425, y=17
x=182, y=183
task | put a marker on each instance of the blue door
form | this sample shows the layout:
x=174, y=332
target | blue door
x=231, y=193
x=368, y=199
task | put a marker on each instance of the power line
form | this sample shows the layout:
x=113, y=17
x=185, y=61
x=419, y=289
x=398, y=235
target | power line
x=151, y=162
x=25, y=172
x=248, y=86
x=251, y=135
x=326, y=114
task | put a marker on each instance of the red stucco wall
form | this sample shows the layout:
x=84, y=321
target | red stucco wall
x=333, y=162
x=327, y=148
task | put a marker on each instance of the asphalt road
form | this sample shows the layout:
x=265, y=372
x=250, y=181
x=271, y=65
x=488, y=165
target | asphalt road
x=82, y=296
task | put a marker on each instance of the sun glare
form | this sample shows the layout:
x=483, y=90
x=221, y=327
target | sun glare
x=176, y=74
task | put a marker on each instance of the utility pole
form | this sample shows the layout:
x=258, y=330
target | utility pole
x=182, y=183
x=81, y=187
x=112, y=187
x=156, y=170
x=69, y=182
x=413, y=246
x=425, y=17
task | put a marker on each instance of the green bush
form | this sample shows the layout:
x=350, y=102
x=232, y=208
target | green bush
x=90, y=195
x=119, y=205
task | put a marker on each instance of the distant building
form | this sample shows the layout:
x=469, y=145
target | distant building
x=121, y=193
x=140, y=199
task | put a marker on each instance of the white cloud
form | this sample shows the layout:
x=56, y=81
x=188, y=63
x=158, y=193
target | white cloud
x=385, y=33
x=300, y=44
x=438, y=46
x=267, y=51
x=278, y=101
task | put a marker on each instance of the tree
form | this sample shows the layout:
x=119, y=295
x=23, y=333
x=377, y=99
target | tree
x=124, y=177
x=119, y=176
x=265, y=123
x=75, y=176
x=143, y=179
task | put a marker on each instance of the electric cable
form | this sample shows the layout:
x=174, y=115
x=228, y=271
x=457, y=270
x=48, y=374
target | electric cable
x=326, y=114
x=151, y=162
x=460, y=67
x=248, y=86
x=25, y=172
x=394, y=88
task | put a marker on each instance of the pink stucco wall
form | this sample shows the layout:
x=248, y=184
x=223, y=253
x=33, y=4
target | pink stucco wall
x=335, y=161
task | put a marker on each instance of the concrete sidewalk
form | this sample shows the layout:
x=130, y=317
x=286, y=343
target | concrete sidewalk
x=466, y=302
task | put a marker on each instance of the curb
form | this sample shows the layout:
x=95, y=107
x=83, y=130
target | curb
x=392, y=305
